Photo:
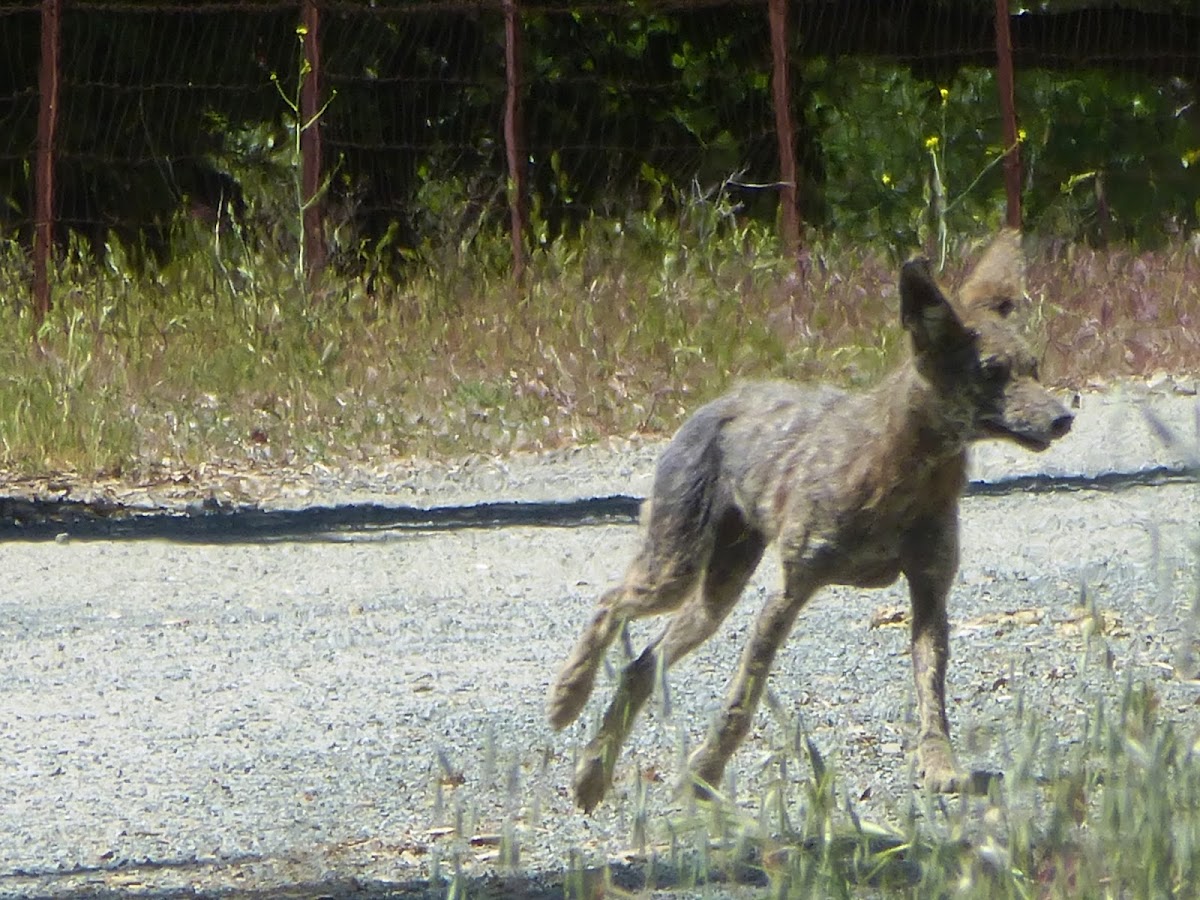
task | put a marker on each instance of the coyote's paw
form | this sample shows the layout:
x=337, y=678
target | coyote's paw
x=569, y=695
x=942, y=775
x=977, y=781
x=946, y=781
x=705, y=771
x=939, y=771
x=593, y=775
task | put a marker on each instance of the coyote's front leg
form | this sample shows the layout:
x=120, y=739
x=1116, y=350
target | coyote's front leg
x=771, y=629
x=931, y=559
x=930, y=649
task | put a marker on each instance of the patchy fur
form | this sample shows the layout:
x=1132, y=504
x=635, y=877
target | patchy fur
x=856, y=488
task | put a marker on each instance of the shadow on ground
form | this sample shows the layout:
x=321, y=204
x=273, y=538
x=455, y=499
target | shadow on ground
x=211, y=522
x=207, y=880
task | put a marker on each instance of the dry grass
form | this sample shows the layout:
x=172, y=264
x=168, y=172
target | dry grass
x=224, y=356
x=1117, y=313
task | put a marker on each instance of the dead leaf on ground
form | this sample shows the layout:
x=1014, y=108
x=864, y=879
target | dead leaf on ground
x=889, y=616
x=651, y=775
x=1011, y=618
x=1088, y=623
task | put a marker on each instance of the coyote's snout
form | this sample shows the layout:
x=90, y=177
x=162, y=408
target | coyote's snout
x=855, y=488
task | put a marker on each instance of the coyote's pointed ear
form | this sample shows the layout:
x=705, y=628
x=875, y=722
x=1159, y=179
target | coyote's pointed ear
x=997, y=284
x=926, y=313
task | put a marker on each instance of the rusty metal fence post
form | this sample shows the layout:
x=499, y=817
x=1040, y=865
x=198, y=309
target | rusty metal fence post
x=43, y=223
x=789, y=218
x=514, y=135
x=1005, y=81
x=1038, y=45
x=310, y=141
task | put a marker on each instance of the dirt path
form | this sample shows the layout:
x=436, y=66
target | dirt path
x=353, y=715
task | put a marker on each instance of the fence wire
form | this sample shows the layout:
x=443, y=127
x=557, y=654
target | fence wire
x=170, y=111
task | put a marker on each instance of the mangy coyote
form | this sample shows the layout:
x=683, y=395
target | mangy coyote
x=855, y=487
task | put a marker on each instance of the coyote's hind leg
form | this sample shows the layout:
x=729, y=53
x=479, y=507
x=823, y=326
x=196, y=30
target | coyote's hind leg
x=654, y=584
x=735, y=555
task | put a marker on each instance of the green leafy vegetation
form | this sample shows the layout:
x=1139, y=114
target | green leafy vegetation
x=413, y=97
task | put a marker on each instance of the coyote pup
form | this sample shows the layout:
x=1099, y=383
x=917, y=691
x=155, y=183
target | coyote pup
x=855, y=487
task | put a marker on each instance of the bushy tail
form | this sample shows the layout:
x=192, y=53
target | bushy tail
x=690, y=496
x=680, y=523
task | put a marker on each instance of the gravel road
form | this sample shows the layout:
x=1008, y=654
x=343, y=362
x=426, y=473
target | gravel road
x=353, y=713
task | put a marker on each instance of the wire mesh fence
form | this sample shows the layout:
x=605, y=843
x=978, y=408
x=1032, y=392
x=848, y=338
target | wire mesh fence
x=344, y=127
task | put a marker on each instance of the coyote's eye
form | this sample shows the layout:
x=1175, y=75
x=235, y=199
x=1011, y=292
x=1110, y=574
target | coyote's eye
x=994, y=370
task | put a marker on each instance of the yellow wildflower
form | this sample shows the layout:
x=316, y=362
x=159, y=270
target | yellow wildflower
x=886, y=178
x=931, y=142
x=945, y=92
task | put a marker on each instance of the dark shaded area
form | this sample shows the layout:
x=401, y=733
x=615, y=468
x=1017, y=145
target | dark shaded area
x=1156, y=476
x=172, y=110
x=942, y=37
x=23, y=519
x=146, y=98
x=531, y=886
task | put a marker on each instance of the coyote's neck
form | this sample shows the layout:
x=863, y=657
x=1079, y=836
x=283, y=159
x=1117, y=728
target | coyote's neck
x=916, y=418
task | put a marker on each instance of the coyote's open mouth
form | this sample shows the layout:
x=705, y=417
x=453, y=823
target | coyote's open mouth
x=1029, y=441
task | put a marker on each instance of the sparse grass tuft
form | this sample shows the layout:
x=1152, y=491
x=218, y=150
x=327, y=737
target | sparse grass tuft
x=1115, y=814
x=1109, y=807
x=1119, y=312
